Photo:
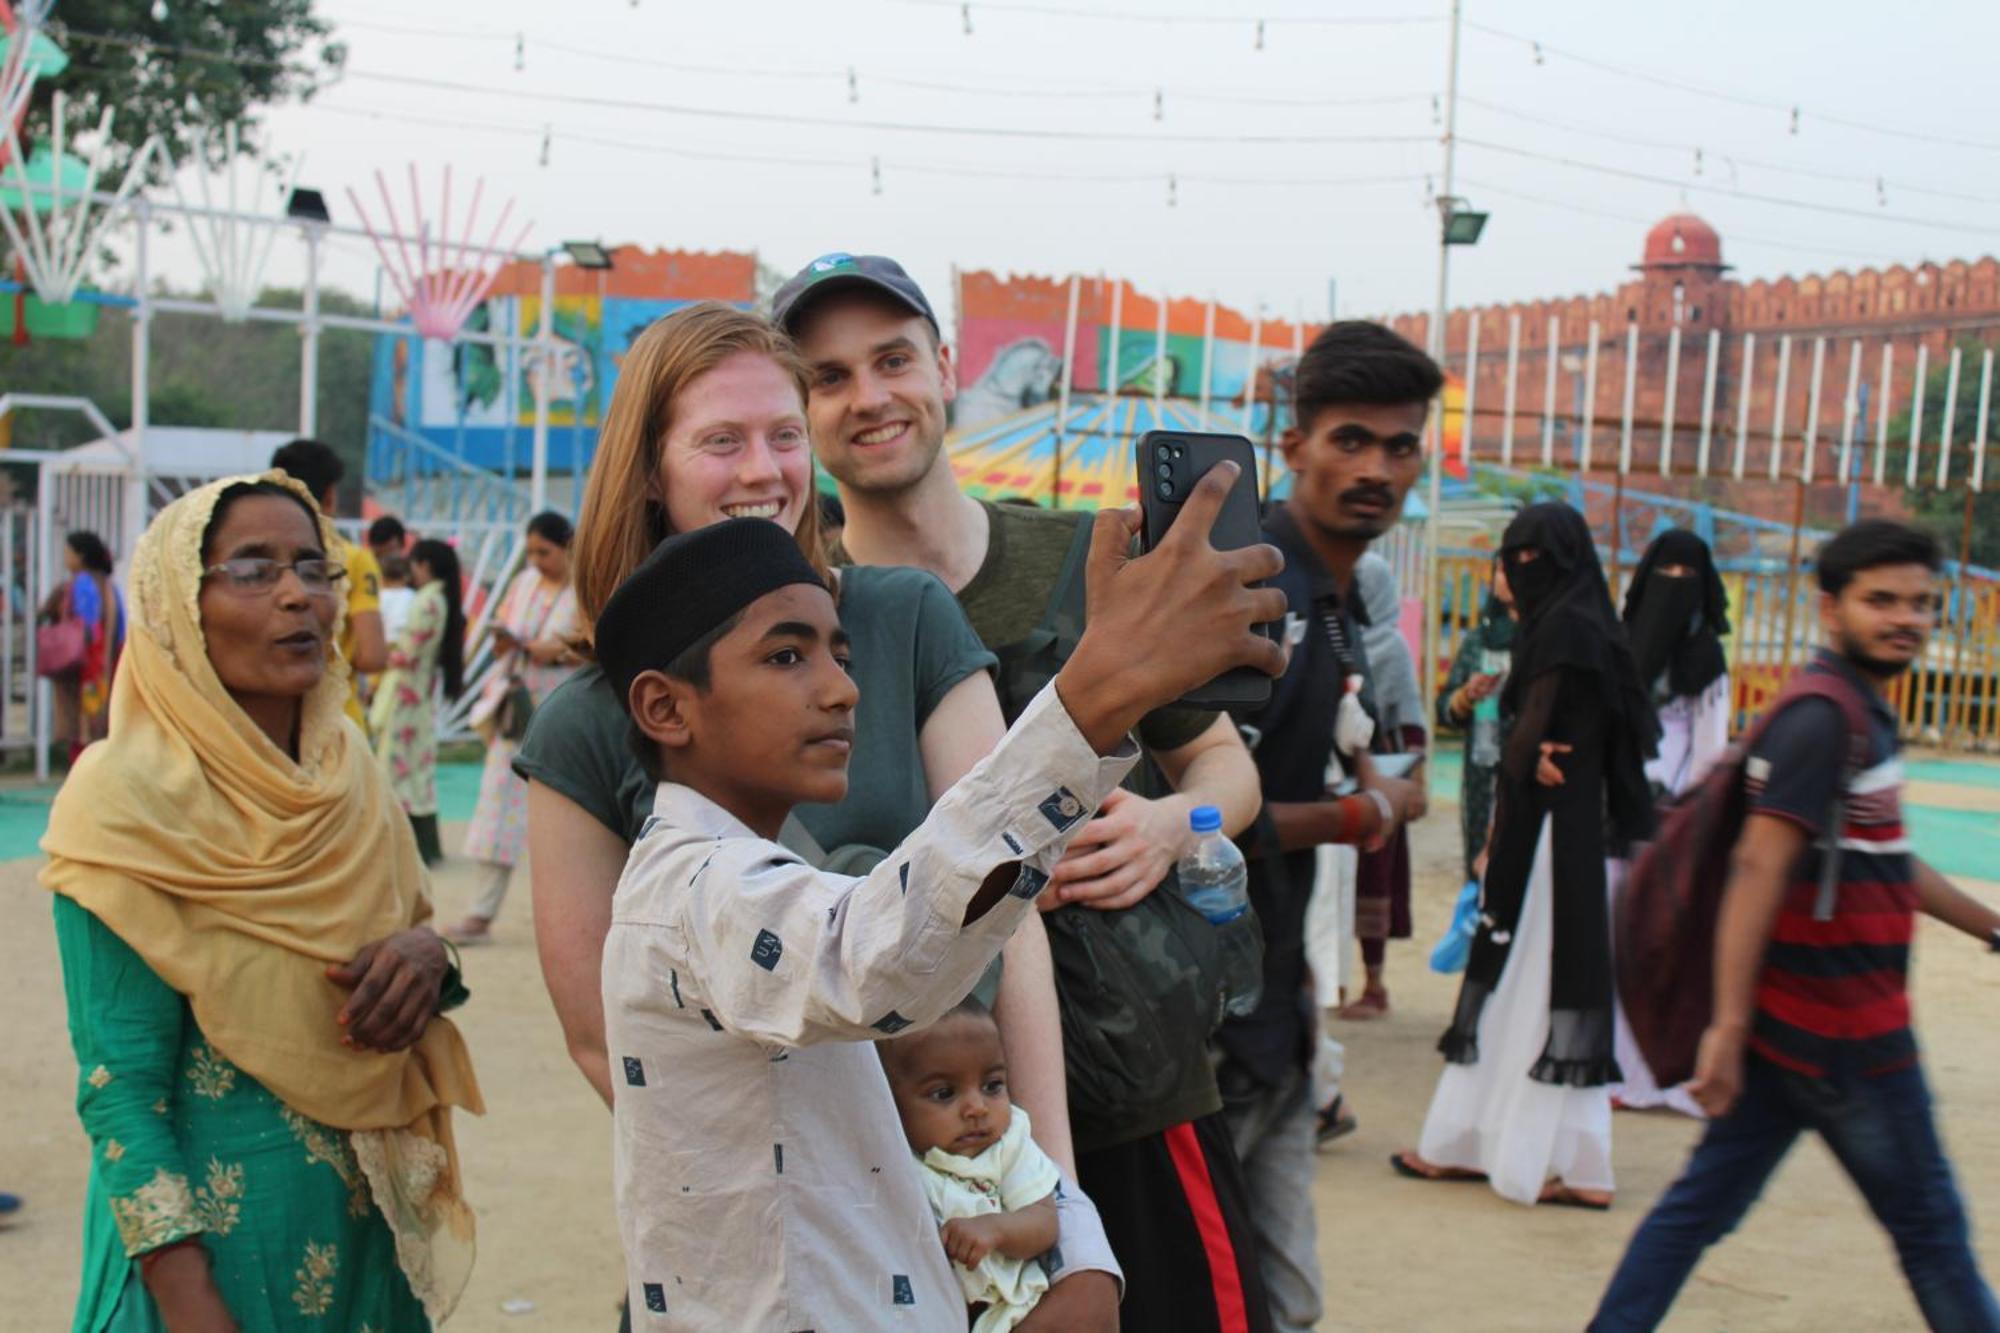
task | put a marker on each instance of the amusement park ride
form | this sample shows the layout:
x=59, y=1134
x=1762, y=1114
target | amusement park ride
x=1067, y=444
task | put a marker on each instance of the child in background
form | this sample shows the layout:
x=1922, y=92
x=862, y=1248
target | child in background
x=762, y=1182
x=992, y=1189
x=397, y=594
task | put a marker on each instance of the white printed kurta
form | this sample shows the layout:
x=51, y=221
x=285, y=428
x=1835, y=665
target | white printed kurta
x=762, y=1178
x=1011, y=1174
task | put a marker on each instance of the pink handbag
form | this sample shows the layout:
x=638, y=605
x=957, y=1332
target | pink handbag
x=59, y=647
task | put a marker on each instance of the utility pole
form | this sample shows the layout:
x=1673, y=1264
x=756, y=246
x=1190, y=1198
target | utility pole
x=1435, y=494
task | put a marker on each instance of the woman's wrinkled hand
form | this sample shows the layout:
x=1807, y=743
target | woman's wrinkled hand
x=396, y=982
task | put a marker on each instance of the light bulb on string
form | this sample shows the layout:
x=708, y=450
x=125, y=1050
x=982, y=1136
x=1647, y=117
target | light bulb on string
x=1697, y=161
x=853, y=86
x=875, y=172
x=965, y=13
x=546, y=130
x=1881, y=193
x=1437, y=112
x=520, y=52
x=1795, y=120
x=1173, y=192
x=1159, y=104
x=1260, y=34
x=1540, y=59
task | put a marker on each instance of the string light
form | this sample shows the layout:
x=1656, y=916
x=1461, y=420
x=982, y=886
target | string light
x=1159, y=105
x=1260, y=35
x=875, y=173
x=965, y=12
x=520, y=52
x=1173, y=193
x=853, y=86
x=545, y=145
x=1806, y=173
x=1660, y=80
x=1605, y=169
x=1795, y=121
x=626, y=104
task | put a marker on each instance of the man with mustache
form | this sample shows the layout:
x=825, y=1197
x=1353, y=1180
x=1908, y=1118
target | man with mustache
x=1360, y=399
x=1811, y=1023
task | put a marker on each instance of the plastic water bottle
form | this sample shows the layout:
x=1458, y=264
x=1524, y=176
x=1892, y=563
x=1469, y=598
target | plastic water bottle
x=1486, y=713
x=1216, y=883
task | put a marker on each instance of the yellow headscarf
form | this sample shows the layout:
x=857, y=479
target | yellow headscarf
x=240, y=875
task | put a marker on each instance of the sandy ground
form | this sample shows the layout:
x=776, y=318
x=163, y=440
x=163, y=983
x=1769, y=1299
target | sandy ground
x=1398, y=1255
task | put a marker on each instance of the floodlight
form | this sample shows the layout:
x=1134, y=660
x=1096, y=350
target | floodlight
x=307, y=206
x=587, y=254
x=1462, y=226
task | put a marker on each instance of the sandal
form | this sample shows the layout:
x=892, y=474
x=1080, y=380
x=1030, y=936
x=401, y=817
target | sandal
x=1413, y=1167
x=1372, y=1004
x=1558, y=1195
x=1334, y=1121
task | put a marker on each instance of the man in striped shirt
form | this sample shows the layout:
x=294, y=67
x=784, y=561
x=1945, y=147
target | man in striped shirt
x=1811, y=1026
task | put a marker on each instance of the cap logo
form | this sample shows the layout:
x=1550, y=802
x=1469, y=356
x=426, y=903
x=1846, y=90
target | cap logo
x=828, y=263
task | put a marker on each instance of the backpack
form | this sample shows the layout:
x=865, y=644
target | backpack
x=1663, y=928
x=1139, y=989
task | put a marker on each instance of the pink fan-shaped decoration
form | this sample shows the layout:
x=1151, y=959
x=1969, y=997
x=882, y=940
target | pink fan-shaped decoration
x=441, y=289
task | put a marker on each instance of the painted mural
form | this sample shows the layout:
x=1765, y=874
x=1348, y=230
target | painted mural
x=1011, y=335
x=477, y=401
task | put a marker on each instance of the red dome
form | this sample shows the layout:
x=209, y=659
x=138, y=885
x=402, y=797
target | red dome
x=1682, y=241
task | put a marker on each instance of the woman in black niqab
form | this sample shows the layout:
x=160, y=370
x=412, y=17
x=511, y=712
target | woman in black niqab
x=1535, y=1007
x=1676, y=622
x=1676, y=614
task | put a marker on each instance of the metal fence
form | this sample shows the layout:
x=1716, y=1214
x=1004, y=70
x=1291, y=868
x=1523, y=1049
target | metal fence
x=1950, y=698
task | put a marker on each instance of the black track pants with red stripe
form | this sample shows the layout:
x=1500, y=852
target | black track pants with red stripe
x=1177, y=1215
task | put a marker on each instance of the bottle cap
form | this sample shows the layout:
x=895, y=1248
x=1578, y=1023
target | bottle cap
x=1205, y=819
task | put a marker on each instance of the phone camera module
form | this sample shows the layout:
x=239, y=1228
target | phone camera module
x=1166, y=490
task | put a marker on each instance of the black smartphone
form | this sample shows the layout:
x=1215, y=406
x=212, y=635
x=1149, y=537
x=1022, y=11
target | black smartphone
x=1170, y=463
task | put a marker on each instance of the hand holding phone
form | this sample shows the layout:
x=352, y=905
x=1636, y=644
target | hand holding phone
x=1171, y=464
x=1163, y=622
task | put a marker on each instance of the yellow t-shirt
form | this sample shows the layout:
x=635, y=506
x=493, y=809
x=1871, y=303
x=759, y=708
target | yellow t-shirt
x=364, y=594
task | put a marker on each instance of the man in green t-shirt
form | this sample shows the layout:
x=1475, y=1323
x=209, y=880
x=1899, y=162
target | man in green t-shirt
x=881, y=379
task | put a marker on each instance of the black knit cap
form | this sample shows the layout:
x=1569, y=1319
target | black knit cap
x=690, y=584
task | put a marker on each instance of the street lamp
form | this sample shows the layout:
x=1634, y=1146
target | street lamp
x=1461, y=224
x=307, y=206
x=587, y=254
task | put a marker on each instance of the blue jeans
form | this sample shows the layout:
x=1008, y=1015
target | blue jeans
x=1879, y=1127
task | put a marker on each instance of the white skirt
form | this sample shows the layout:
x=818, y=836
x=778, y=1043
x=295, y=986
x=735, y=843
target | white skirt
x=1640, y=1090
x=1490, y=1116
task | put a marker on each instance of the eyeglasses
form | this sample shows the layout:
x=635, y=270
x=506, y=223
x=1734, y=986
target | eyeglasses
x=255, y=574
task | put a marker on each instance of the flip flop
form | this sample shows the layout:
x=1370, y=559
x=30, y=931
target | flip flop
x=1445, y=1175
x=1334, y=1121
x=1562, y=1196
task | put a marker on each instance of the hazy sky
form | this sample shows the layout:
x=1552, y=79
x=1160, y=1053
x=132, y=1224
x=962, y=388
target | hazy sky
x=1251, y=222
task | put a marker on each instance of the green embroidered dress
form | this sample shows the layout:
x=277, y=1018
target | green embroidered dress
x=184, y=1143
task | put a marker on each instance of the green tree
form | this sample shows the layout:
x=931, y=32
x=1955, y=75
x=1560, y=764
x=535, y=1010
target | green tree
x=204, y=372
x=170, y=67
x=1943, y=512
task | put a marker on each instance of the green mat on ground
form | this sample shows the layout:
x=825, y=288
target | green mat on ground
x=1957, y=842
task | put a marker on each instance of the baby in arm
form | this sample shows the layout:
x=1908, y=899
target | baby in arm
x=991, y=1188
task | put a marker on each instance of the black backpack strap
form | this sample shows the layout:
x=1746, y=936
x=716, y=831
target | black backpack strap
x=1811, y=684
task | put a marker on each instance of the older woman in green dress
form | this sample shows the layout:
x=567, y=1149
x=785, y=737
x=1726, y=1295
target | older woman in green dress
x=252, y=989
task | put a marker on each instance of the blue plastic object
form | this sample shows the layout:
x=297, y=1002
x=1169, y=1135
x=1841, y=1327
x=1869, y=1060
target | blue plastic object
x=1455, y=948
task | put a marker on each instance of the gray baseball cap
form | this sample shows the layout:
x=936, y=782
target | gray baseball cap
x=840, y=271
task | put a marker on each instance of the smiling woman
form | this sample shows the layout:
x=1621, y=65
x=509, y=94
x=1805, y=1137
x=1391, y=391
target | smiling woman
x=253, y=989
x=708, y=424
